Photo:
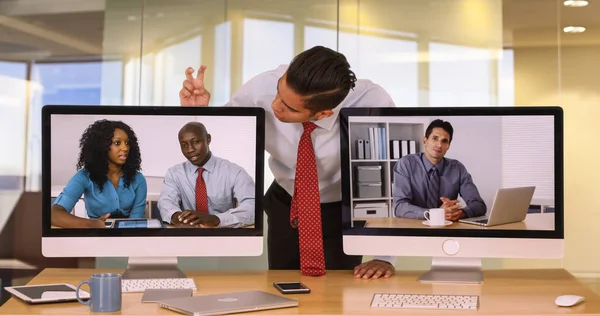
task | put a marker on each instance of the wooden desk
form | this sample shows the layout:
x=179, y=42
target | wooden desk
x=539, y=221
x=504, y=292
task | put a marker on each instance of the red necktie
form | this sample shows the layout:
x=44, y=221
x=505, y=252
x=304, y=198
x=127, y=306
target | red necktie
x=201, y=196
x=305, y=212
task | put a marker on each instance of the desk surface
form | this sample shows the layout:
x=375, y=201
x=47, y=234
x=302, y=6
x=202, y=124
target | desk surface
x=504, y=292
x=539, y=221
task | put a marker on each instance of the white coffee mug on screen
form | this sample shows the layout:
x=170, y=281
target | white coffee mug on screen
x=435, y=216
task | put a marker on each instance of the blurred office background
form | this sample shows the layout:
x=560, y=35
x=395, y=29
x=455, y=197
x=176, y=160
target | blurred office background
x=423, y=52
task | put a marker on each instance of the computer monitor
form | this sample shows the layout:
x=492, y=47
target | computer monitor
x=154, y=179
x=502, y=169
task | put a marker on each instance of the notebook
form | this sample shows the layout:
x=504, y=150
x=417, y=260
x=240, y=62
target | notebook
x=227, y=303
x=510, y=205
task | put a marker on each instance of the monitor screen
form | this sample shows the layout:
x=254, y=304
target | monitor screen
x=453, y=172
x=133, y=171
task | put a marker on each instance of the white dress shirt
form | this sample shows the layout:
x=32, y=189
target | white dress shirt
x=225, y=182
x=283, y=138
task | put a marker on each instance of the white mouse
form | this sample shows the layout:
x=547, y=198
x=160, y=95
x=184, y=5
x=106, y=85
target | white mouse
x=568, y=300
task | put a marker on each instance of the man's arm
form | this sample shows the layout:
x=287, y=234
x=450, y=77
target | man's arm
x=243, y=191
x=170, y=197
x=468, y=191
x=403, y=194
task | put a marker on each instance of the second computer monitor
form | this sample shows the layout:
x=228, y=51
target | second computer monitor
x=453, y=182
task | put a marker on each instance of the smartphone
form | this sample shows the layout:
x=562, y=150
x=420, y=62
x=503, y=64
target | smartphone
x=291, y=287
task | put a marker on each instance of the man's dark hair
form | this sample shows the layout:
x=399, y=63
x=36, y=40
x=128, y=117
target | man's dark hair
x=445, y=125
x=323, y=76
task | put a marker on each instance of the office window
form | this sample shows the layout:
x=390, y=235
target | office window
x=73, y=83
x=13, y=97
x=460, y=75
x=222, y=65
x=506, y=78
x=267, y=44
x=528, y=154
x=390, y=62
x=138, y=81
x=168, y=67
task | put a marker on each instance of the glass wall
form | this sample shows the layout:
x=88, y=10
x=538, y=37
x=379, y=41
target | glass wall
x=423, y=52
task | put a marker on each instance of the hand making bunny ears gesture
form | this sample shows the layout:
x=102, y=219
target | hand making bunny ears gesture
x=193, y=92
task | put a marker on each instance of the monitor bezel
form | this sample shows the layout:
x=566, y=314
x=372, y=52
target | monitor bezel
x=555, y=111
x=49, y=110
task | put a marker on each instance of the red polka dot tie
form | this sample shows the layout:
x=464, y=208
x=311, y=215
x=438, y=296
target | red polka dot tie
x=201, y=196
x=305, y=212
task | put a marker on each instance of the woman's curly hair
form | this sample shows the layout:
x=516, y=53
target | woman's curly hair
x=95, y=144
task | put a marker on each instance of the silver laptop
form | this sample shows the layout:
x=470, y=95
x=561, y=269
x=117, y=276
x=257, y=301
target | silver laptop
x=510, y=206
x=227, y=303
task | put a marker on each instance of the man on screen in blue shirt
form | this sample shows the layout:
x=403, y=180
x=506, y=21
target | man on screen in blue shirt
x=428, y=180
x=208, y=201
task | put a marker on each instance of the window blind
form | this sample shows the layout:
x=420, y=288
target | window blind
x=528, y=153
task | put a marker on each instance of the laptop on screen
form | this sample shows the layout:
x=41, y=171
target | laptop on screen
x=227, y=303
x=510, y=206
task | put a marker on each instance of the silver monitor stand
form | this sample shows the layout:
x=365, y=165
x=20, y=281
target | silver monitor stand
x=153, y=268
x=454, y=270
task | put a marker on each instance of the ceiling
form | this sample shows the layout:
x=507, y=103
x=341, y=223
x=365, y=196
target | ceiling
x=46, y=29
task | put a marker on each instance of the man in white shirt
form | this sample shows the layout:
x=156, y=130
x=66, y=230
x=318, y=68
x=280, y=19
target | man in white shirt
x=202, y=192
x=315, y=86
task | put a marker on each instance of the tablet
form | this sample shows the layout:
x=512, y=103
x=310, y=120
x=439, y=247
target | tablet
x=47, y=293
x=137, y=223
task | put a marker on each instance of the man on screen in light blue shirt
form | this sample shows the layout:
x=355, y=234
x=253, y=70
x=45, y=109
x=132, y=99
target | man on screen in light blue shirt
x=429, y=180
x=227, y=188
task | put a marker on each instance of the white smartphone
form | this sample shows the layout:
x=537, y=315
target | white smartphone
x=291, y=287
x=47, y=293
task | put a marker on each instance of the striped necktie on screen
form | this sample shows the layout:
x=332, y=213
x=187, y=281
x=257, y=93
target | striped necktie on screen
x=433, y=191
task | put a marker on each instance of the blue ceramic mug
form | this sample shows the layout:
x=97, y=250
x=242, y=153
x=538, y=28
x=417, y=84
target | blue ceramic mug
x=105, y=292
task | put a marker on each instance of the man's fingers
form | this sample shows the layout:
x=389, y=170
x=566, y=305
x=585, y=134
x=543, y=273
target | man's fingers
x=388, y=273
x=188, y=74
x=188, y=85
x=200, y=75
x=369, y=273
x=378, y=273
x=194, y=221
x=184, y=93
x=361, y=272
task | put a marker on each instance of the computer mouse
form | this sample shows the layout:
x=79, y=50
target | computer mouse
x=568, y=300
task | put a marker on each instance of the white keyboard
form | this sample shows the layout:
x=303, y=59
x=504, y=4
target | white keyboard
x=140, y=285
x=425, y=301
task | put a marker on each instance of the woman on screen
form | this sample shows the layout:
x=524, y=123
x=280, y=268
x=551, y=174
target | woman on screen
x=108, y=177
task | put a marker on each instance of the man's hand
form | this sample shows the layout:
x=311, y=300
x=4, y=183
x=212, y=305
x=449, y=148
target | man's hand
x=455, y=215
x=193, y=92
x=99, y=222
x=453, y=210
x=199, y=219
x=374, y=269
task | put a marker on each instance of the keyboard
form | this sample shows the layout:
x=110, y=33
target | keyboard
x=140, y=285
x=425, y=301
